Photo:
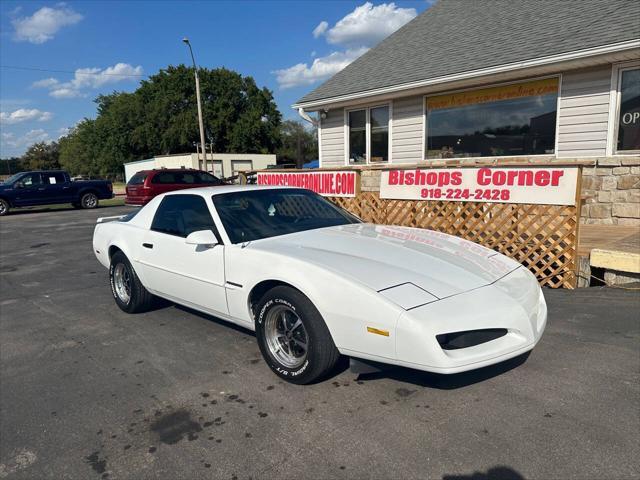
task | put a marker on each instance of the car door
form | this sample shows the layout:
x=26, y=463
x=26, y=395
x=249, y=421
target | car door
x=57, y=188
x=30, y=190
x=192, y=275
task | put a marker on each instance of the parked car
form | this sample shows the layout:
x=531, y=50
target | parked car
x=315, y=282
x=146, y=184
x=26, y=189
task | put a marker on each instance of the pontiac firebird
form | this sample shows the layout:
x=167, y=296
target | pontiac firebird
x=314, y=282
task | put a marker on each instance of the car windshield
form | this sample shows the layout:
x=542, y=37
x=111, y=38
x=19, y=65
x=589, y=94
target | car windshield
x=255, y=214
x=13, y=178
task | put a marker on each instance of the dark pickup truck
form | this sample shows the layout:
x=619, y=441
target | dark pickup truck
x=27, y=189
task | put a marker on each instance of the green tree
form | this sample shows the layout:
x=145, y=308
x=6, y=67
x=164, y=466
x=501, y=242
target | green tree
x=299, y=144
x=160, y=117
x=41, y=156
x=80, y=150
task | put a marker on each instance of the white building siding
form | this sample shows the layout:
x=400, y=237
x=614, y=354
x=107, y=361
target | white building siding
x=332, y=139
x=407, y=137
x=584, y=113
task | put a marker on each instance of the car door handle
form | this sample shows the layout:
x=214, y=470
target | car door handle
x=41, y=189
x=147, y=245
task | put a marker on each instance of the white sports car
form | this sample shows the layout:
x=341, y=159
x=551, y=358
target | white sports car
x=315, y=282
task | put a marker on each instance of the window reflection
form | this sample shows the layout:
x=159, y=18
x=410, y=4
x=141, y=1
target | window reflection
x=380, y=134
x=629, y=118
x=523, y=125
x=358, y=137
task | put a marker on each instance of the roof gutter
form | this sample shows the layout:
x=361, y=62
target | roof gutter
x=563, y=57
x=306, y=117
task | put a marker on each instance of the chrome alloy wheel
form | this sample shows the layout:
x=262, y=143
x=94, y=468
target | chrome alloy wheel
x=122, y=283
x=89, y=200
x=286, y=336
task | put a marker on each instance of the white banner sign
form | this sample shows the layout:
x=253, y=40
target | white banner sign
x=536, y=185
x=328, y=184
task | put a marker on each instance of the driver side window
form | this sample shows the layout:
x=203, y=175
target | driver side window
x=31, y=180
x=181, y=215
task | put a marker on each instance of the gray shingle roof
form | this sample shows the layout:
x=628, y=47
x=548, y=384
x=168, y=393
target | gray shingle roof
x=456, y=36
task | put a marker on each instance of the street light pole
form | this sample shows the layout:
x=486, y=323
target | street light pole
x=195, y=69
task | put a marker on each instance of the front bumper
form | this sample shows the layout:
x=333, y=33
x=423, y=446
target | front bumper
x=514, y=303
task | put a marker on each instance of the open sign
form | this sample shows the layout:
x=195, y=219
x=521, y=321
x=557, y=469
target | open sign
x=630, y=118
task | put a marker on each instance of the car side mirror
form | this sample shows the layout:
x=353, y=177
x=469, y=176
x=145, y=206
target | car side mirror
x=202, y=237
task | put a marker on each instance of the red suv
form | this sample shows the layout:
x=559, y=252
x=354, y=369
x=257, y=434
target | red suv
x=146, y=184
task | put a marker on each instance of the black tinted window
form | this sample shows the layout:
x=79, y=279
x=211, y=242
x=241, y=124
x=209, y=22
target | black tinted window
x=181, y=215
x=138, y=179
x=207, y=178
x=165, y=177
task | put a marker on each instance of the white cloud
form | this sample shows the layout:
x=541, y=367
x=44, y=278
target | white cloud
x=44, y=23
x=320, y=29
x=24, y=115
x=357, y=31
x=45, y=83
x=32, y=136
x=367, y=25
x=89, y=78
x=63, y=131
x=64, y=92
x=320, y=69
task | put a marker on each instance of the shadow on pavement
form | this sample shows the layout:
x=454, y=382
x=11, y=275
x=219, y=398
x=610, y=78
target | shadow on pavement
x=494, y=473
x=447, y=382
x=62, y=208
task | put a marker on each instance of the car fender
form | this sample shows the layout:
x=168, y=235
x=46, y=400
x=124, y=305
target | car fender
x=358, y=318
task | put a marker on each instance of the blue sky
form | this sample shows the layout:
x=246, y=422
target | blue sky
x=84, y=48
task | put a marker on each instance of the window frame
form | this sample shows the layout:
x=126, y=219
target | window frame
x=367, y=108
x=214, y=228
x=615, y=96
x=425, y=119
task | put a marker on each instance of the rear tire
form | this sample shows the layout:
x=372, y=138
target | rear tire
x=4, y=207
x=89, y=200
x=128, y=292
x=293, y=337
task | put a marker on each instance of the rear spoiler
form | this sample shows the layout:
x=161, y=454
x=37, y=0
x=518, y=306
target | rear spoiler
x=109, y=219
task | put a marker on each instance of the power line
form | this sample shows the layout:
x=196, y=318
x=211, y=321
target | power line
x=33, y=69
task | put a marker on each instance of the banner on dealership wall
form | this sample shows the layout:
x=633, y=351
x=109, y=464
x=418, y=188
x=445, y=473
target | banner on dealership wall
x=326, y=183
x=533, y=185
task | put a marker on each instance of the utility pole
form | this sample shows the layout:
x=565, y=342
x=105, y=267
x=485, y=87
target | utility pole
x=200, y=122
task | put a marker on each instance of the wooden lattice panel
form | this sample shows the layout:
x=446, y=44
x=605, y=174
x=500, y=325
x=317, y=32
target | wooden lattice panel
x=541, y=237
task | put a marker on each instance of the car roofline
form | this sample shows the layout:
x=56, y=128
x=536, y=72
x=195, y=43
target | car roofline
x=222, y=189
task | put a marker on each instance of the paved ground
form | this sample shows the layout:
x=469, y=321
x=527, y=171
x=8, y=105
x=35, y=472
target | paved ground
x=87, y=391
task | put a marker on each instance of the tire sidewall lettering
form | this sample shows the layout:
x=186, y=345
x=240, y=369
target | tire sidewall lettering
x=276, y=366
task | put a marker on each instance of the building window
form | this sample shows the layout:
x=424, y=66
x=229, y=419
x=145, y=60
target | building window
x=357, y=137
x=379, y=134
x=368, y=135
x=516, y=119
x=629, y=111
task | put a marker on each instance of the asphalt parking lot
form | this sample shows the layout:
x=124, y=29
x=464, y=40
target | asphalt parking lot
x=87, y=391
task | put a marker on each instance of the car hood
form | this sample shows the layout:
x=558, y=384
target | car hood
x=385, y=256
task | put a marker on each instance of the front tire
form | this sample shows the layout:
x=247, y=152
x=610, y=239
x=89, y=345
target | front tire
x=4, y=207
x=128, y=292
x=89, y=200
x=293, y=337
